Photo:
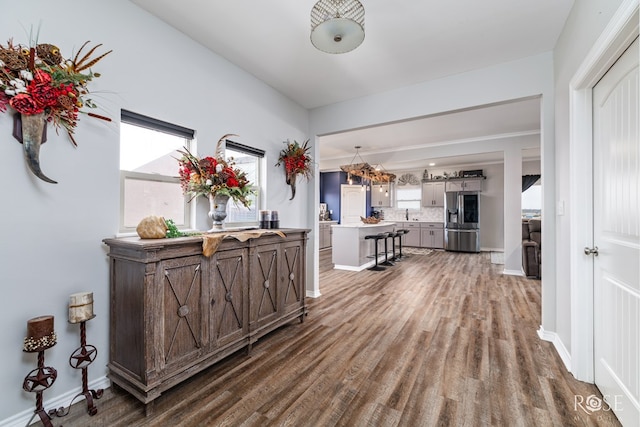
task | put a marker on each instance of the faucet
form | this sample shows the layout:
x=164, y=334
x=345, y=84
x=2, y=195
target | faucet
x=406, y=215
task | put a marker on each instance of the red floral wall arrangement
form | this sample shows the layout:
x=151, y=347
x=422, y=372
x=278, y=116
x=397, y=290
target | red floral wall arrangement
x=296, y=161
x=42, y=87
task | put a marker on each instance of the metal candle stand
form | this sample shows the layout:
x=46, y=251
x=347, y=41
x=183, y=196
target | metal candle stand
x=81, y=358
x=37, y=381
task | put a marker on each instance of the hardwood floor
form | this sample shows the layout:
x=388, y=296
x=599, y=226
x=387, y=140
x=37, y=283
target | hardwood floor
x=438, y=340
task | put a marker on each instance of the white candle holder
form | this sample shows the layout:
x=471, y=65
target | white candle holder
x=81, y=310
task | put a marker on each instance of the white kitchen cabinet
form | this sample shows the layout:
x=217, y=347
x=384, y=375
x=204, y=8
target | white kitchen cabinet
x=433, y=194
x=432, y=235
x=412, y=238
x=467, y=184
x=325, y=234
x=384, y=198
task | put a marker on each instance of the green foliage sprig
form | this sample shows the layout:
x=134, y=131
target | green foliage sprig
x=172, y=230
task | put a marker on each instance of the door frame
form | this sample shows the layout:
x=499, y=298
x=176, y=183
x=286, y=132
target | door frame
x=616, y=37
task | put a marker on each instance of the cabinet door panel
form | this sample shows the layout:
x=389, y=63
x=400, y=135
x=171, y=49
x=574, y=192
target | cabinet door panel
x=321, y=242
x=427, y=194
x=425, y=238
x=182, y=308
x=438, y=194
x=293, y=280
x=228, y=279
x=412, y=238
x=438, y=239
x=432, y=194
x=473, y=185
x=263, y=294
x=382, y=198
x=454, y=186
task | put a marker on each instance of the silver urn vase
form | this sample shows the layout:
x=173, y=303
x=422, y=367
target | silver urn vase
x=218, y=210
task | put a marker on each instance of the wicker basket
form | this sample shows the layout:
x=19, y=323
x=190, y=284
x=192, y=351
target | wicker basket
x=370, y=220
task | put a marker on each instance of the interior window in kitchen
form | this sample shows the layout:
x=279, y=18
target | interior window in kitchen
x=409, y=196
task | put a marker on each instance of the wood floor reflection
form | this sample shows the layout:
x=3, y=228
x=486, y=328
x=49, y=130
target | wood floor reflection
x=437, y=340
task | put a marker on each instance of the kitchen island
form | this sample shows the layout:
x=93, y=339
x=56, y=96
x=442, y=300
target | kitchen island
x=350, y=249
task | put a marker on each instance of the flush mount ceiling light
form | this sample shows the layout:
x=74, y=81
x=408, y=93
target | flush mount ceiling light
x=337, y=26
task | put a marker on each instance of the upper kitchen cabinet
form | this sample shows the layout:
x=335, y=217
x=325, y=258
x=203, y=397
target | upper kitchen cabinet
x=382, y=195
x=433, y=194
x=466, y=184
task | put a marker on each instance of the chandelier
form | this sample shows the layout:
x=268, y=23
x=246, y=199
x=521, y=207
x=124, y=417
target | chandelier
x=368, y=173
x=337, y=26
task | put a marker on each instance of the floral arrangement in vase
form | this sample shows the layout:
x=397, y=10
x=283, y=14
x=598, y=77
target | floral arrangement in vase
x=44, y=87
x=215, y=178
x=296, y=161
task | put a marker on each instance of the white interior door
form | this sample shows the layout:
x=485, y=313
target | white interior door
x=352, y=203
x=616, y=188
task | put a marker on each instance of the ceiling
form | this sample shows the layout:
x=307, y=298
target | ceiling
x=406, y=42
x=386, y=143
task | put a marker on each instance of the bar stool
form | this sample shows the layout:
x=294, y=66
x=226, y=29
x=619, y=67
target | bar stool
x=396, y=235
x=376, y=238
x=401, y=233
x=387, y=261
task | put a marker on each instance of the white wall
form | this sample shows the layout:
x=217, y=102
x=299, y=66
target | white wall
x=492, y=208
x=584, y=25
x=51, y=240
x=531, y=167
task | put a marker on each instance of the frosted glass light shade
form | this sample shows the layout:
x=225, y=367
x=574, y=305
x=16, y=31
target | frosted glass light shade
x=337, y=26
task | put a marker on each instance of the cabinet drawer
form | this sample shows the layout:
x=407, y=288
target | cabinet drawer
x=433, y=225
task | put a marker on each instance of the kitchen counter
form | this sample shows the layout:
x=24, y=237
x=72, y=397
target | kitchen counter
x=350, y=249
x=362, y=225
x=325, y=234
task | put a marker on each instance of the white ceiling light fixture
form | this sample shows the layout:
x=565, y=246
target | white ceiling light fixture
x=337, y=26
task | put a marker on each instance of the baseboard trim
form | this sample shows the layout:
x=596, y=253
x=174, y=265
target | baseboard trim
x=562, y=351
x=512, y=272
x=354, y=268
x=313, y=294
x=61, y=401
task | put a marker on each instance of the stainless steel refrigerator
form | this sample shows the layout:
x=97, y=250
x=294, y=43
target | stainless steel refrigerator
x=462, y=219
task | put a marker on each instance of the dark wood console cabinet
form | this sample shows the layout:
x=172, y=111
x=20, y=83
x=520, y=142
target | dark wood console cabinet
x=174, y=312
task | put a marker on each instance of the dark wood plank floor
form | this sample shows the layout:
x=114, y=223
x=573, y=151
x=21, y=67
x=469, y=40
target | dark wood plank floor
x=438, y=340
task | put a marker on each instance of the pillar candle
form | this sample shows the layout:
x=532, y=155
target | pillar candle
x=40, y=335
x=80, y=307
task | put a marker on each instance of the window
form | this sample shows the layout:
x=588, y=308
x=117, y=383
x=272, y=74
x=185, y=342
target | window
x=409, y=196
x=247, y=159
x=149, y=183
x=532, y=202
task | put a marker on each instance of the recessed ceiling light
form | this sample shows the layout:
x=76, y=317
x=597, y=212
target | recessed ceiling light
x=432, y=164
